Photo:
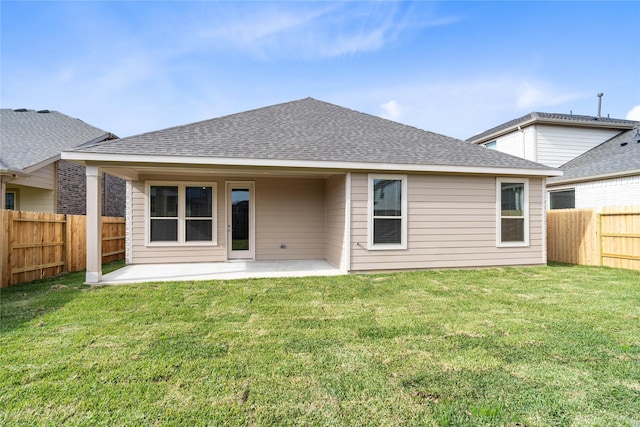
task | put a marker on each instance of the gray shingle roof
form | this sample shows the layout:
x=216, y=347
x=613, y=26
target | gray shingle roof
x=618, y=155
x=555, y=117
x=28, y=137
x=310, y=130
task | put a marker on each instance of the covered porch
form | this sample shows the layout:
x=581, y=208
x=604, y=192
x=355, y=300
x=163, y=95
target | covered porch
x=288, y=222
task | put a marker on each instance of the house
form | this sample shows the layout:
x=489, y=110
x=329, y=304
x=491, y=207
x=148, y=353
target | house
x=607, y=175
x=311, y=180
x=32, y=175
x=550, y=138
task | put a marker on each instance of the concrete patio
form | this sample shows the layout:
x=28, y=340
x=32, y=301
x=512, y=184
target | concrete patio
x=219, y=271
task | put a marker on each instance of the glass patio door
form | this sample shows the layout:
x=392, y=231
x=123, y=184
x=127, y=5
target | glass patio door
x=240, y=221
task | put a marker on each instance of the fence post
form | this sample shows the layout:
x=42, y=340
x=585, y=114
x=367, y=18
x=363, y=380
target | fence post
x=6, y=223
x=599, y=237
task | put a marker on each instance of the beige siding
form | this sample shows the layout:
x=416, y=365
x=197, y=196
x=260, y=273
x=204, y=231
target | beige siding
x=36, y=193
x=289, y=211
x=451, y=223
x=32, y=199
x=44, y=178
x=335, y=220
x=557, y=145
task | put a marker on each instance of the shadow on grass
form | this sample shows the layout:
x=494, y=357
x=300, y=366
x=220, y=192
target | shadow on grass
x=561, y=264
x=23, y=303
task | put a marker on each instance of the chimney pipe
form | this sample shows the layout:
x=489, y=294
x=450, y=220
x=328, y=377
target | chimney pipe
x=600, y=103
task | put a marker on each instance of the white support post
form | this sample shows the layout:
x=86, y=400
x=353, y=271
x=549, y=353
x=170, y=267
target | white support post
x=94, y=225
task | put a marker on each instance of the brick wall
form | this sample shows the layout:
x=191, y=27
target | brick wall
x=114, y=195
x=608, y=192
x=72, y=191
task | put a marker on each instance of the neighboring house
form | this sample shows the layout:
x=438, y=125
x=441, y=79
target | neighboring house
x=607, y=175
x=32, y=176
x=311, y=180
x=549, y=138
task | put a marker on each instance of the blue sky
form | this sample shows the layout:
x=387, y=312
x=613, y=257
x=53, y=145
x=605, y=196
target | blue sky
x=456, y=68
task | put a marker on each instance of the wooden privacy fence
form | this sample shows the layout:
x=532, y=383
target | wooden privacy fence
x=584, y=236
x=34, y=245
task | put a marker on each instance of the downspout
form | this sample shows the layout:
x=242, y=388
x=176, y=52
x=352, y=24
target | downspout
x=535, y=142
x=3, y=190
x=544, y=220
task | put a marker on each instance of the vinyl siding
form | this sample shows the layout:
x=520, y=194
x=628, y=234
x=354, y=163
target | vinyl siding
x=512, y=143
x=44, y=178
x=288, y=210
x=32, y=199
x=451, y=223
x=557, y=144
x=36, y=192
x=335, y=220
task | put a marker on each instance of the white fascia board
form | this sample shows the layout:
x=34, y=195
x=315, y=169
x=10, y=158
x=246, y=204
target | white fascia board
x=189, y=160
x=39, y=165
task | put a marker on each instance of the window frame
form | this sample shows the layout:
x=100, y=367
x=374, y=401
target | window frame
x=563, y=190
x=182, y=218
x=13, y=191
x=499, y=217
x=371, y=217
x=491, y=145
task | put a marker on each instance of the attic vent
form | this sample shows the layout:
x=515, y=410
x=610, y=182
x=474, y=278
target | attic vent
x=20, y=110
x=43, y=111
x=622, y=144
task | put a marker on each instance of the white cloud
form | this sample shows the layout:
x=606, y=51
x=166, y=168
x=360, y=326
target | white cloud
x=310, y=30
x=634, y=113
x=460, y=106
x=391, y=110
x=537, y=94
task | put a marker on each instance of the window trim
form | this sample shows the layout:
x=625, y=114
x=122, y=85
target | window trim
x=499, y=242
x=181, y=213
x=403, y=218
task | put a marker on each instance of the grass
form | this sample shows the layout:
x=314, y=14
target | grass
x=547, y=346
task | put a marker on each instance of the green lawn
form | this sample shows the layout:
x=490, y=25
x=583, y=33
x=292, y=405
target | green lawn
x=545, y=346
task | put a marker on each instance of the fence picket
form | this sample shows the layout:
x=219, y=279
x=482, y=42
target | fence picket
x=36, y=245
x=583, y=236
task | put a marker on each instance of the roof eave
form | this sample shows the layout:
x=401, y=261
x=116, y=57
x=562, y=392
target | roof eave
x=14, y=173
x=593, y=178
x=552, y=121
x=84, y=157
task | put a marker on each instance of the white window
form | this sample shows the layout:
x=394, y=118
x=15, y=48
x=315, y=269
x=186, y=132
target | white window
x=181, y=214
x=387, y=218
x=512, y=212
x=493, y=145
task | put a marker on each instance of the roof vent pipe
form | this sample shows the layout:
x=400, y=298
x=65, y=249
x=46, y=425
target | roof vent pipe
x=600, y=103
